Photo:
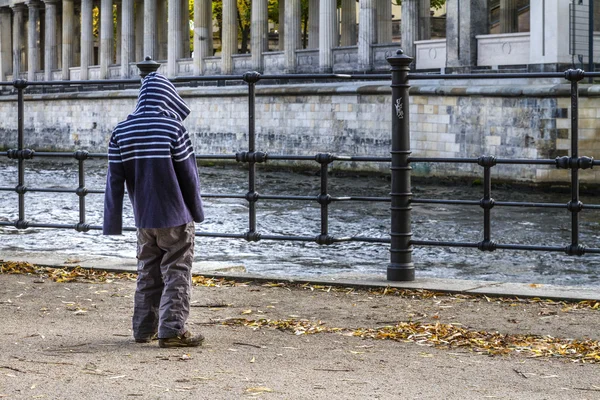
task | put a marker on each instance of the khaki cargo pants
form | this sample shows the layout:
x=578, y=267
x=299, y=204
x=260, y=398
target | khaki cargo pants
x=162, y=296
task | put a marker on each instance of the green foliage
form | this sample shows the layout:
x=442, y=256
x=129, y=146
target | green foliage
x=436, y=4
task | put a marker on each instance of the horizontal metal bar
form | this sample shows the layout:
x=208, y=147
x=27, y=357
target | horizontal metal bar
x=443, y=160
x=362, y=198
x=449, y=202
x=208, y=78
x=220, y=235
x=363, y=239
x=283, y=197
x=525, y=161
x=223, y=196
x=514, y=161
x=215, y=156
x=335, y=199
x=497, y=246
x=64, y=154
x=527, y=204
x=531, y=248
x=50, y=190
x=365, y=158
x=290, y=238
x=306, y=76
x=290, y=157
x=83, y=83
x=443, y=244
x=215, y=234
x=535, y=75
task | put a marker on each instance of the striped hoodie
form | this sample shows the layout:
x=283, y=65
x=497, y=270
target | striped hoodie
x=152, y=155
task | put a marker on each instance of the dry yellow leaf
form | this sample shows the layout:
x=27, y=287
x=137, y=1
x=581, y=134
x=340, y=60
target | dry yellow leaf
x=259, y=389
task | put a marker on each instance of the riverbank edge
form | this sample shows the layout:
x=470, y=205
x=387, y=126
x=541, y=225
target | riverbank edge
x=237, y=272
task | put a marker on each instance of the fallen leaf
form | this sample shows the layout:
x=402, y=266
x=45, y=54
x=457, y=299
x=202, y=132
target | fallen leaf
x=259, y=389
x=253, y=359
x=247, y=312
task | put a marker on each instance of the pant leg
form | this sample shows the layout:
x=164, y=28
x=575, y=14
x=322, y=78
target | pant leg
x=149, y=285
x=176, y=268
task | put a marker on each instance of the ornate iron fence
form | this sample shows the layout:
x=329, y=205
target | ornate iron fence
x=401, y=266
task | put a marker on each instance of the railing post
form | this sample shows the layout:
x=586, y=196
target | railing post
x=401, y=267
x=251, y=78
x=575, y=206
x=20, y=85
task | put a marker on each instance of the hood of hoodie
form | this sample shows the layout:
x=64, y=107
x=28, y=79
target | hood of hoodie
x=158, y=96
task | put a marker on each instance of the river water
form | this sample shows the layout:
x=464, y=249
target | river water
x=532, y=226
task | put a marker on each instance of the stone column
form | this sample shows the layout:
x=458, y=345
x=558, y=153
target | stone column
x=202, y=34
x=87, y=39
x=96, y=37
x=185, y=29
x=118, y=31
x=367, y=34
x=328, y=34
x=106, y=37
x=18, y=45
x=313, y=24
x=59, y=35
x=465, y=19
x=425, y=20
x=161, y=29
x=348, y=23
x=415, y=24
x=5, y=43
x=281, y=25
x=33, y=39
x=228, y=36
x=384, y=21
x=77, y=36
x=259, y=32
x=509, y=22
x=292, y=36
x=139, y=30
x=127, y=37
x=50, y=48
x=150, y=36
x=68, y=33
x=174, y=25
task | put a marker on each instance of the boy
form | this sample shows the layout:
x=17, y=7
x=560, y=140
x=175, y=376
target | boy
x=151, y=153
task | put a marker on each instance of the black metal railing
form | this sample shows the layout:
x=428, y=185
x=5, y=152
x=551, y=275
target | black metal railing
x=401, y=266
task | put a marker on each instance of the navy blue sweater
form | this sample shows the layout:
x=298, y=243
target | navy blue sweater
x=152, y=154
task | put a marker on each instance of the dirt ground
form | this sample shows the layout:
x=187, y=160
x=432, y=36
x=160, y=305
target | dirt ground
x=73, y=341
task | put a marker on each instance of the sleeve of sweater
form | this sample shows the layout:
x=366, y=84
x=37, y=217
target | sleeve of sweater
x=115, y=191
x=184, y=161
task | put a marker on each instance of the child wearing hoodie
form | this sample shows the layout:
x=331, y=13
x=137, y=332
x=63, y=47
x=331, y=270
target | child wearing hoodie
x=152, y=155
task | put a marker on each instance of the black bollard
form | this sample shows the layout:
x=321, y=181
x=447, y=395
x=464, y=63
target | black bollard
x=401, y=267
x=147, y=66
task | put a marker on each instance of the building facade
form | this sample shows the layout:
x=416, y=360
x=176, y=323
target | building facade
x=103, y=39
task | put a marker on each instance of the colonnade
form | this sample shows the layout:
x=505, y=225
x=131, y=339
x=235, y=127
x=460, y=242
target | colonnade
x=47, y=39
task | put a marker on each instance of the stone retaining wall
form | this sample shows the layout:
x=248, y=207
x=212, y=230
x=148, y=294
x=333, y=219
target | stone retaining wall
x=345, y=119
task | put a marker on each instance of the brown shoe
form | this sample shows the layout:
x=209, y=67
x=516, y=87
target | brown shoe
x=184, y=340
x=147, y=340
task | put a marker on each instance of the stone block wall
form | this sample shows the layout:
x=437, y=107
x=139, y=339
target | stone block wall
x=344, y=119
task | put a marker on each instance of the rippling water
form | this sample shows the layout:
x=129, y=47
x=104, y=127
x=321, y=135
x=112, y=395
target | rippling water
x=430, y=222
